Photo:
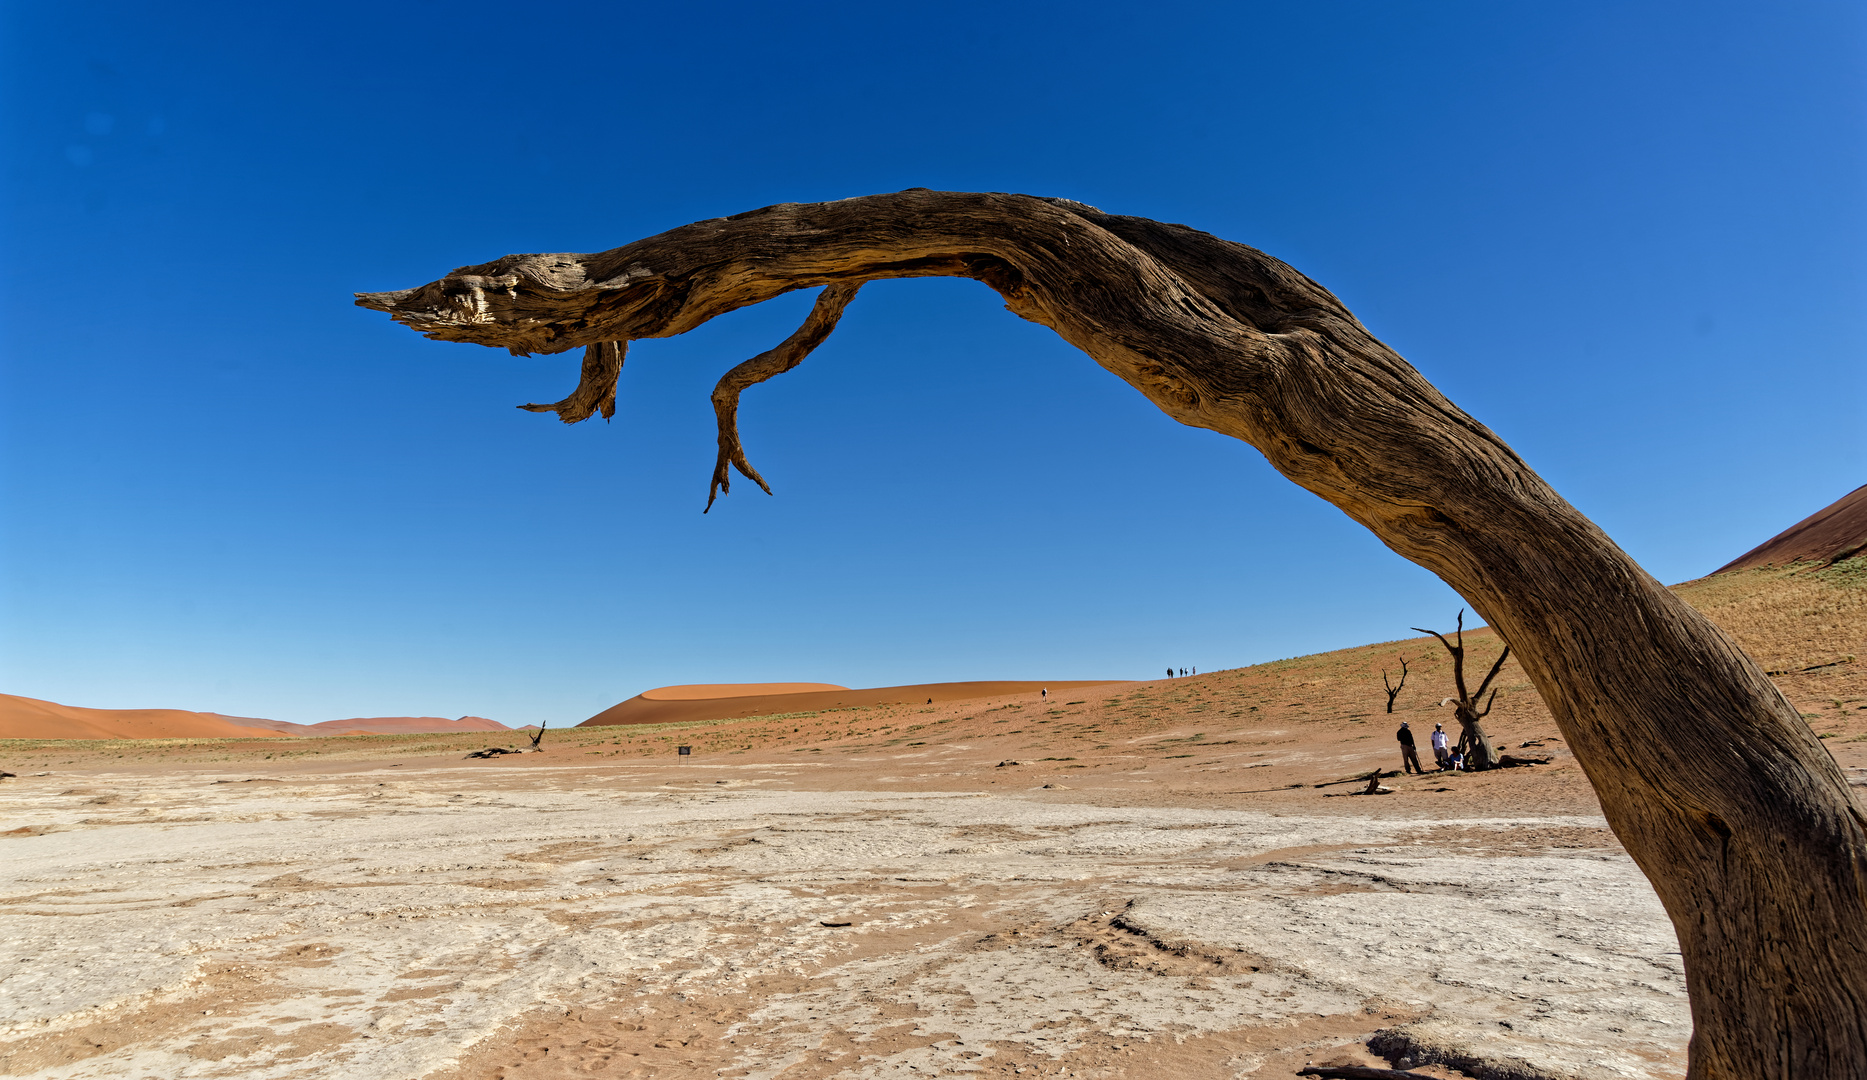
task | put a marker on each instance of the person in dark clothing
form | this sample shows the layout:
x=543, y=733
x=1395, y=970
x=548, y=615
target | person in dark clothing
x=1170, y=673
x=1409, y=757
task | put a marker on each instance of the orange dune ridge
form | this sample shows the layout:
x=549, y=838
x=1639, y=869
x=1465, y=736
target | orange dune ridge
x=708, y=691
x=683, y=704
x=1835, y=532
x=30, y=718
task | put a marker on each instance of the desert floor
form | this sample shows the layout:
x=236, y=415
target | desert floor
x=1142, y=880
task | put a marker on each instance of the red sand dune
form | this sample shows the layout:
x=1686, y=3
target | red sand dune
x=671, y=704
x=1835, y=532
x=30, y=718
x=708, y=691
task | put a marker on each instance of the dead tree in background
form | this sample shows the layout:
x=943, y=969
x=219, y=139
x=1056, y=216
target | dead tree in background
x=539, y=736
x=1472, y=739
x=1393, y=691
x=1718, y=789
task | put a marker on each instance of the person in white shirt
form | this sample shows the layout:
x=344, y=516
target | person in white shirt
x=1439, y=747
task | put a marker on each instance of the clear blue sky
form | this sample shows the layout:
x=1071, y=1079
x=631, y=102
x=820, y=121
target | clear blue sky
x=1628, y=236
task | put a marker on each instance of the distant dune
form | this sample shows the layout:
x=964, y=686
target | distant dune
x=30, y=718
x=381, y=725
x=672, y=704
x=404, y=725
x=1835, y=532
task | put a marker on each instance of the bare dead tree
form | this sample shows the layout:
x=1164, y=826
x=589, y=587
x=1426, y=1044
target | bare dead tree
x=1393, y=691
x=1472, y=739
x=539, y=735
x=1718, y=789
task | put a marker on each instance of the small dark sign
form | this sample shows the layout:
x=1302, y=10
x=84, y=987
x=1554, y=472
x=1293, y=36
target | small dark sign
x=683, y=750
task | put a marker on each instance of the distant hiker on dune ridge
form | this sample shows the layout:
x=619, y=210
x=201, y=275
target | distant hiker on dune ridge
x=1409, y=757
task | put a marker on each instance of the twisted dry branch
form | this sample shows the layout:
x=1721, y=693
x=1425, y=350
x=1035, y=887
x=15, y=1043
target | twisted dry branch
x=1458, y=667
x=596, y=387
x=1495, y=668
x=786, y=355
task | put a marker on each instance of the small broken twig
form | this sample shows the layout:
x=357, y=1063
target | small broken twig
x=596, y=387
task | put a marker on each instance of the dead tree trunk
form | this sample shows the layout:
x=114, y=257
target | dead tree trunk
x=1473, y=743
x=1393, y=689
x=1719, y=790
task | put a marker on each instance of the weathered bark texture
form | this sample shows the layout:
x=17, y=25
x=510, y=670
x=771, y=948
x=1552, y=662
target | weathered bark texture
x=1716, y=786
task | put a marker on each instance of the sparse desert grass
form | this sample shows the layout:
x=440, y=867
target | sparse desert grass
x=1789, y=618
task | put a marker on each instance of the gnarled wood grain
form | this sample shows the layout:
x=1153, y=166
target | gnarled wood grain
x=1716, y=786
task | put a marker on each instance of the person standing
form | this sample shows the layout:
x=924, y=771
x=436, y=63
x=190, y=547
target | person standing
x=1044, y=693
x=1409, y=757
x=1441, y=757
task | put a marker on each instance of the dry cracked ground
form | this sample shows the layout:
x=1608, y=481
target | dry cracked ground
x=1140, y=881
x=734, y=921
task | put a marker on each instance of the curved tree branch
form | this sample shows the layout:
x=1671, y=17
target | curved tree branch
x=1492, y=674
x=1458, y=657
x=1717, y=788
x=774, y=361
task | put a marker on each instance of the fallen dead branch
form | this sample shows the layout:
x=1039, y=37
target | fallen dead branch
x=1360, y=778
x=1513, y=761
